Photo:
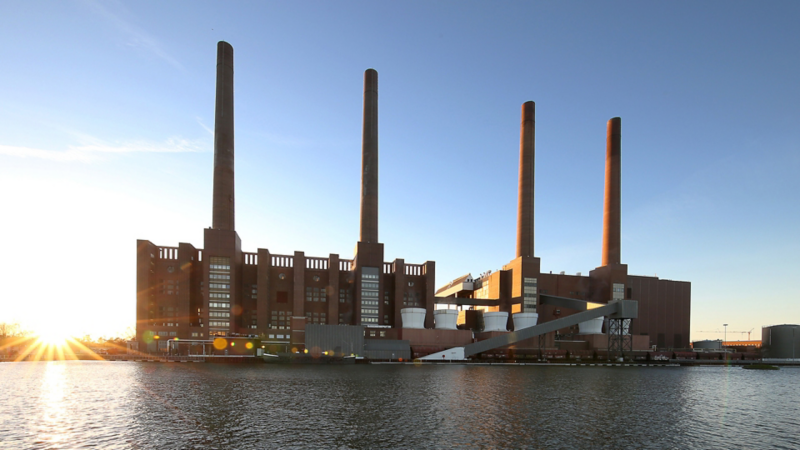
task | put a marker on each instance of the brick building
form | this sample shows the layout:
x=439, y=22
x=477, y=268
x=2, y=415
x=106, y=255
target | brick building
x=191, y=293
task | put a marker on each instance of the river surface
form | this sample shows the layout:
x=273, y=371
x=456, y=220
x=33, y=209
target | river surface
x=95, y=404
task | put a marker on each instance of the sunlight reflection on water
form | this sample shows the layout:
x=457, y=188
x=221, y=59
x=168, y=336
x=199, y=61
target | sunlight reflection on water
x=156, y=405
x=51, y=405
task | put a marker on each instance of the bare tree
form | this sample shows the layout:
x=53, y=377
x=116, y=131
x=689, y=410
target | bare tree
x=10, y=329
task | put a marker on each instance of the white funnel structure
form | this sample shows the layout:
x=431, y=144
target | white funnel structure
x=495, y=321
x=445, y=319
x=525, y=320
x=413, y=317
x=594, y=326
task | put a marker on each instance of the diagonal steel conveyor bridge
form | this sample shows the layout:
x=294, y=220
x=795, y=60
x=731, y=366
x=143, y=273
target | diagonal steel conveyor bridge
x=616, y=309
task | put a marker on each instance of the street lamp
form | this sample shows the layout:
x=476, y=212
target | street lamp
x=726, y=334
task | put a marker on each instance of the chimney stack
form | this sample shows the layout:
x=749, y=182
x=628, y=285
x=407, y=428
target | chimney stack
x=527, y=154
x=369, y=160
x=611, y=209
x=223, y=208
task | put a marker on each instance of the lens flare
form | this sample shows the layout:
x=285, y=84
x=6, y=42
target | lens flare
x=220, y=343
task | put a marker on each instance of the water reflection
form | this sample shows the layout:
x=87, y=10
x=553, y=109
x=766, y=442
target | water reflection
x=52, y=423
x=154, y=405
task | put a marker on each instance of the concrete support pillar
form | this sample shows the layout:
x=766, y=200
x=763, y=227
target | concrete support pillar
x=223, y=208
x=369, y=160
x=527, y=153
x=611, y=209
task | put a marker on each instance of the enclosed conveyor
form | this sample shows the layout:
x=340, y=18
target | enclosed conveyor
x=616, y=309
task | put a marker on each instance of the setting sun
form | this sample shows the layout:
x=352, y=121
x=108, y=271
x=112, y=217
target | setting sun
x=53, y=335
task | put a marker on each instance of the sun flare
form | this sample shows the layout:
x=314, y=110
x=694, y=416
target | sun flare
x=53, y=336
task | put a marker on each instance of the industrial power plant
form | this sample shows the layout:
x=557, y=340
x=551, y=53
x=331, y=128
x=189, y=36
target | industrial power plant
x=221, y=300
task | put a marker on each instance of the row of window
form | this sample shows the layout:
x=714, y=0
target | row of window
x=314, y=294
x=218, y=295
x=529, y=292
x=219, y=305
x=219, y=324
x=219, y=286
x=316, y=318
x=220, y=263
x=219, y=314
x=413, y=299
x=281, y=320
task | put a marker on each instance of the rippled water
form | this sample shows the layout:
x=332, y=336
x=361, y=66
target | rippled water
x=194, y=405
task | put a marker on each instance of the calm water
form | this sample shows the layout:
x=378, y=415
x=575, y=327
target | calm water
x=192, y=405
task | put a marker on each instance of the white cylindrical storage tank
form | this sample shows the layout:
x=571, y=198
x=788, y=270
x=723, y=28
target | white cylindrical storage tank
x=525, y=320
x=413, y=317
x=445, y=319
x=495, y=321
x=594, y=326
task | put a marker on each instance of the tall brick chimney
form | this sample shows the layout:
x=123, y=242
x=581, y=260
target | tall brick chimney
x=611, y=209
x=369, y=160
x=527, y=155
x=223, y=209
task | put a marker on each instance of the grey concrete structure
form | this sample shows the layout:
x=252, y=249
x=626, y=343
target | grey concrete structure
x=389, y=349
x=527, y=164
x=781, y=341
x=369, y=160
x=611, y=209
x=223, y=208
x=334, y=339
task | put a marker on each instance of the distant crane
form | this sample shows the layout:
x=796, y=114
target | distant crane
x=743, y=332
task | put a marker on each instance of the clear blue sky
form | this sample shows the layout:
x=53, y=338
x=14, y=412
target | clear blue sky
x=107, y=109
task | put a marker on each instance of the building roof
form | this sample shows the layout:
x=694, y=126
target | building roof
x=458, y=281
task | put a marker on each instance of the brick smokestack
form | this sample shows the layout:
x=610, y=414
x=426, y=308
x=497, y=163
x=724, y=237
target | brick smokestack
x=223, y=210
x=527, y=155
x=369, y=160
x=611, y=209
